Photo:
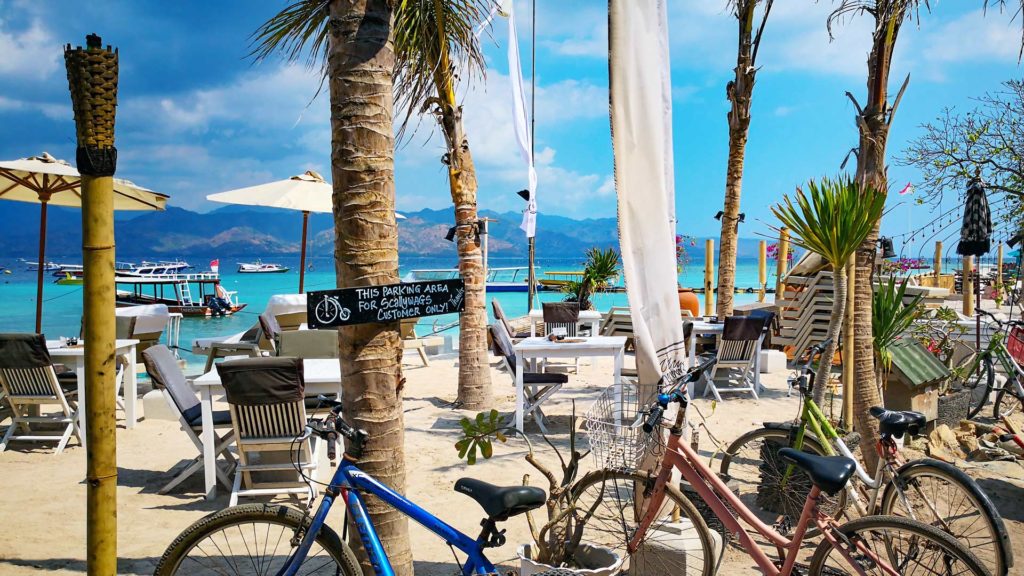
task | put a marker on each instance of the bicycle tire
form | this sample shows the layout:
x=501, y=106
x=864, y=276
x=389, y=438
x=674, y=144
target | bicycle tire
x=956, y=514
x=1007, y=401
x=759, y=483
x=613, y=523
x=981, y=385
x=941, y=548
x=336, y=556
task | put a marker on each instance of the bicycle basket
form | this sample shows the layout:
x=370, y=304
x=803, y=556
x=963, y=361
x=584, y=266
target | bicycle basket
x=1015, y=344
x=614, y=428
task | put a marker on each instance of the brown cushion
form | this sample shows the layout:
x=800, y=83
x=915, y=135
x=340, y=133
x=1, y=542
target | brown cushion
x=259, y=381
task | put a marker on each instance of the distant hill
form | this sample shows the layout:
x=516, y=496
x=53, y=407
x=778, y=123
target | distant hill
x=248, y=231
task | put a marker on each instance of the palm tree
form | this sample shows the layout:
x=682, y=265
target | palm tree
x=739, y=91
x=831, y=219
x=351, y=40
x=874, y=119
x=434, y=39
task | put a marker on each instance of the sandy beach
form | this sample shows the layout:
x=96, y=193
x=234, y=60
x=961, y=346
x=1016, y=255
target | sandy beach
x=43, y=501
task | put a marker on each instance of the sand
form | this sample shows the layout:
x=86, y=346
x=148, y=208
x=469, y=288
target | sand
x=42, y=504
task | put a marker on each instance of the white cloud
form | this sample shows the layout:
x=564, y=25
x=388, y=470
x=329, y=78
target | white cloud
x=29, y=53
x=781, y=111
x=51, y=111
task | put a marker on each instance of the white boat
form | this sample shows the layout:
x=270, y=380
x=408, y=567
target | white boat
x=34, y=266
x=509, y=279
x=156, y=269
x=259, y=267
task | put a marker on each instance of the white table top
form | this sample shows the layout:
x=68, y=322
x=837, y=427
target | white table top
x=538, y=313
x=55, y=349
x=540, y=343
x=314, y=371
x=705, y=327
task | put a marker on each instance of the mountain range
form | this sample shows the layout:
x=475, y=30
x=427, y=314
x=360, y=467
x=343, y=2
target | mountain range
x=251, y=231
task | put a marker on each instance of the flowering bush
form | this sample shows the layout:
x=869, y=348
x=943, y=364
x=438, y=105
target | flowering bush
x=682, y=255
x=904, y=265
x=773, y=254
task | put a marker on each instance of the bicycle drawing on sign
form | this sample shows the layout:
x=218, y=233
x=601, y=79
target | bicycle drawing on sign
x=329, y=310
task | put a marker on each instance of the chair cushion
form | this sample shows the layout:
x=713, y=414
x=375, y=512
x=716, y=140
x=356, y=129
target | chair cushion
x=163, y=370
x=23, y=350
x=561, y=312
x=195, y=418
x=261, y=381
x=545, y=378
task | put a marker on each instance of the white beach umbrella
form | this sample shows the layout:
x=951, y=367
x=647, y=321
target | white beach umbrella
x=307, y=192
x=46, y=180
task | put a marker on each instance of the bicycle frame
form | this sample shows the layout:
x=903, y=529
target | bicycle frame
x=348, y=482
x=717, y=495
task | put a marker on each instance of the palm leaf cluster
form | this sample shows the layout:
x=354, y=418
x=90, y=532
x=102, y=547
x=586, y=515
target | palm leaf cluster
x=890, y=317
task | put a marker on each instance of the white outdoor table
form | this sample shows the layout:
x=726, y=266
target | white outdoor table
x=717, y=328
x=593, y=317
x=539, y=347
x=75, y=357
x=322, y=376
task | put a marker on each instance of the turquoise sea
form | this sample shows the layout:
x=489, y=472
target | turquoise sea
x=62, y=305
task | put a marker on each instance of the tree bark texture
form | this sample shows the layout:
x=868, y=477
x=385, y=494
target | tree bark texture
x=360, y=66
x=835, y=327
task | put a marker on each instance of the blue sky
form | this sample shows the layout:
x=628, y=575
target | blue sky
x=196, y=116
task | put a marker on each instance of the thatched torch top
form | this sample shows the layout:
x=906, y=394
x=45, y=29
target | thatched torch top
x=92, y=78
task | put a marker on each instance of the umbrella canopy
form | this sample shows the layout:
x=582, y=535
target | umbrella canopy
x=307, y=192
x=976, y=230
x=46, y=180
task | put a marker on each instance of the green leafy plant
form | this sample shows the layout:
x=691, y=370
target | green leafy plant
x=601, y=268
x=557, y=539
x=890, y=318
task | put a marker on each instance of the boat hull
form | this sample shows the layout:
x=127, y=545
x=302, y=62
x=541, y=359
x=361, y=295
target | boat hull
x=508, y=288
x=124, y=301
x=275, y=271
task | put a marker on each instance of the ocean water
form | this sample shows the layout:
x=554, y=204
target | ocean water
x=62, y=305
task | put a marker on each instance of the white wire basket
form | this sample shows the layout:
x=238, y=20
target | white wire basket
x=614, y=427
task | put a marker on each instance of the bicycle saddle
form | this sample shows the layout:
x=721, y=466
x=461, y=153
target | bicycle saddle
x=898, y=423
x=499, y=502
x=830, y=473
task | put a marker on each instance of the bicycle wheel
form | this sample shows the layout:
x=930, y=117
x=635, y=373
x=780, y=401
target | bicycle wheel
x=907, y=546
x=752, y=465
x=1007, y=401
x=980, y=382
x=253, y=539
x=943, y=496
x=677, y=543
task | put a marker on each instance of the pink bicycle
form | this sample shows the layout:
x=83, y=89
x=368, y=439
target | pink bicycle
x=647, y=517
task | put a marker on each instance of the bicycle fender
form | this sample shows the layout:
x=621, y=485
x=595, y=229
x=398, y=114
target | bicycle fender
x=779, y=425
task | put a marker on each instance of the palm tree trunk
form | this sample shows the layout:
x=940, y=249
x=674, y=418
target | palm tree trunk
x=360, y=64
x=835, y=326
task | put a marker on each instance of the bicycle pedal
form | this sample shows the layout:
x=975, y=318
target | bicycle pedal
x=783, y=525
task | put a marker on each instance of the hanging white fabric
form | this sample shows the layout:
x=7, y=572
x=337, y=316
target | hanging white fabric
x=521, y=121
x=641, y=118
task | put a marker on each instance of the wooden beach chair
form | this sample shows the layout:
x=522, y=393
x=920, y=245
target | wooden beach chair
x=537, y=386
x=561, y=316
x=737, y=356
x=410, y=341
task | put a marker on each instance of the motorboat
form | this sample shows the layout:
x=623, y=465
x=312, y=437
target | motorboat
x=196, y=294
x=160, y=269
x=34, y=266
x=259, y=267
x=508, y=279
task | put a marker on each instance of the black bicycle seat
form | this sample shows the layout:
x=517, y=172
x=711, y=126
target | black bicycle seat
x=898, y=423
x=499, y=502
x=830, y=473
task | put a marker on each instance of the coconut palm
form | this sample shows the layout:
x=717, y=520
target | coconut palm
x=874, y=119
x=435, y=45
x=739, y=91
x=352, y=41
x=831, y=219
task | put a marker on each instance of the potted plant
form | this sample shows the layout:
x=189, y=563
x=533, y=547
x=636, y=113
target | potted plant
x=601, y=269
x=890, y=318
x=557, y=539
x=687, y=297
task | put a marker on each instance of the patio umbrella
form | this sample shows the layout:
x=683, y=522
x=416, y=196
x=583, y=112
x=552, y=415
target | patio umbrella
x=307, y=192
x=47, y=180
x=976, y=235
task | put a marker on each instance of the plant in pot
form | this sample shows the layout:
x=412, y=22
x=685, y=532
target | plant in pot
x=687, y=297
x=556, y=539
x=598, y=273
x=890, y=318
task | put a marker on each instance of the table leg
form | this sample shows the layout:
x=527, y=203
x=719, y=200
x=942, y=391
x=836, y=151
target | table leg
x=131, y=394
x=693, y=350
x=595, y=325
x=757, y=367
x=80, y=375
x=209, y=448
x=520, y=396
x=533, y=327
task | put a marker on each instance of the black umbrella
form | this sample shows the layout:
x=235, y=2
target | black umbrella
x=976, y=237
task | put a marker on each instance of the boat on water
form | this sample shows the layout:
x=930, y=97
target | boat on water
x=163, y=268
x=509, y=279
x=259, y=267
x=70, y=279
x=34, y=266
x=557, y=280
x=189, y=294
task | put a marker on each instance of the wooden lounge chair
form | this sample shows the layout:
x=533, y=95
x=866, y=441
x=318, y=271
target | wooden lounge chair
x=737, y=355
x=266, y=400
x=537, y=387
x=410, y=341
x=561, y=316
x=28, y=379
x=499, y=316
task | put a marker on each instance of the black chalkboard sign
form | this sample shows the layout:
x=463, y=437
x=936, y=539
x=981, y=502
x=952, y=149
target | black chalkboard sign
x=385, y=303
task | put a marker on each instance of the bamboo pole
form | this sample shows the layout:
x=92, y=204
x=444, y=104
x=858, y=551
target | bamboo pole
x=709, y=275
x=92, y=79
x=968, y=285
x=999, y=267
x=849, y=374
x=938, y=260
x=762, y=269
x=783, y=255
x=42, y=255
x=302, y=258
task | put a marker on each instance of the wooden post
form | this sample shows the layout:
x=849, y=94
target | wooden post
x=999, y=267
x=762, y=269
x=709, y=275
x=302, y=258
x=968, y=285
x=783, y=263
x=938, y=261
x=848, y=360
x=42, y=257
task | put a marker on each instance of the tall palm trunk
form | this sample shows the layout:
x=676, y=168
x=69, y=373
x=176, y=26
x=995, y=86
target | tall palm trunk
x=739, y=92
x=360, y=62
x=835, y=326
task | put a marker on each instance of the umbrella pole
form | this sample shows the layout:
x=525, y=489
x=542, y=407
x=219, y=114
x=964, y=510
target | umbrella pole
x=39, y=273
x=302, y=258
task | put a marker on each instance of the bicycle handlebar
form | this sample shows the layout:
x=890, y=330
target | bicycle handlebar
x=329, y=429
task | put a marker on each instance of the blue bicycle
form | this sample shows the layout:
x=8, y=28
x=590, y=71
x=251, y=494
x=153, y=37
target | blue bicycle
x=275, y=539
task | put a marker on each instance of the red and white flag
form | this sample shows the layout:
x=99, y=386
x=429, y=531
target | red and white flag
x=215, y=265
x=908, y=189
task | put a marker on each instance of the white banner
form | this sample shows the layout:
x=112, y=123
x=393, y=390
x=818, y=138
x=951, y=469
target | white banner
x=641, y=117
x=521, y=121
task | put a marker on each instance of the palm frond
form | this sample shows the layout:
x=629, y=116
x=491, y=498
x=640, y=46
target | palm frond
x=890, y=317
x=299, y=26
x=435, y=46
